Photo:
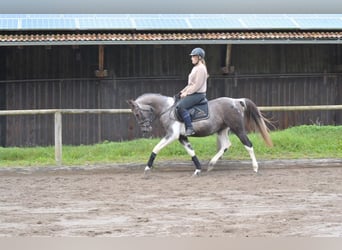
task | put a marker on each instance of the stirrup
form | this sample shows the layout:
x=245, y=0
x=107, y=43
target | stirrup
x=189, y=131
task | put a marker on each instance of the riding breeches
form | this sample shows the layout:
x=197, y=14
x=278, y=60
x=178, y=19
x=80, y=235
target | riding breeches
x=189, y=101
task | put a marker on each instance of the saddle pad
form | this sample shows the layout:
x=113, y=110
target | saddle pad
x=198, y=112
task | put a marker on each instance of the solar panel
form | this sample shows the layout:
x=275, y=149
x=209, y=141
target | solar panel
x=105, y=23
x=214, y=23
x=172, y=15
x=112, y=15
x=157, y=23
x=168, y=21
x=145, y=16
x=264, y=23
x=319, y=23
x=45, y=23
x=9, y=23
x=79, y=15
x=47, y=16
x=12, y=16
x=208, y=15
x=313, y=15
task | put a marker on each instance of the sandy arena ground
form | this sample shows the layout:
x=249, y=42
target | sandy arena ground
x=286, y=198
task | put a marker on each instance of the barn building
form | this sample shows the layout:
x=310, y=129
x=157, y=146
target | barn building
x=99, y=61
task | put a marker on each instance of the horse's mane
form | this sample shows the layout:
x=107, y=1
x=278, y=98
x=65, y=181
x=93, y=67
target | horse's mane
x=149, y=94
x=148, y=97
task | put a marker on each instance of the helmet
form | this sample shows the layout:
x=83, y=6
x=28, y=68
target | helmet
x=197, y=52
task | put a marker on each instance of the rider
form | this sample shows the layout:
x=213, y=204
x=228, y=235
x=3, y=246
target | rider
x=195, y=91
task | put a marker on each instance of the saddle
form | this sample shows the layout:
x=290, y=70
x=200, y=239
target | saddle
x=198, y=112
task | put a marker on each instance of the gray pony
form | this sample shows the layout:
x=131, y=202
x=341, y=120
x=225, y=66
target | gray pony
x=226, y=114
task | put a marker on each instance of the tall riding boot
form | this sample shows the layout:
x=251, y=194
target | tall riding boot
x=189, y=130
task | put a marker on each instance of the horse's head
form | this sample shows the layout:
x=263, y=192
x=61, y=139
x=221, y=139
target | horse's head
x=143, y=114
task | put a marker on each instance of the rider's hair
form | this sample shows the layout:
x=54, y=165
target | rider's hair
x=203, y=61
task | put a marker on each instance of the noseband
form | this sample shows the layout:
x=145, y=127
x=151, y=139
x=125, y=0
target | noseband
x=145, y=122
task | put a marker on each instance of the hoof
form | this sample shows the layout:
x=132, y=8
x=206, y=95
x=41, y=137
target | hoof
x=210, y=168
x=196, y=173
x=147, y=171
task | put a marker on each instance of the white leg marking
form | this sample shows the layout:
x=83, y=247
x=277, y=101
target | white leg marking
x=189, y=149
x=166, y=141
x=147, y=171
x=186, y=145
x=252, y=155
x=162, y=143
x=197, y=173
x=223, y=143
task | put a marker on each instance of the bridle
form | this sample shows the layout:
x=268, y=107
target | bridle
x=143, y=121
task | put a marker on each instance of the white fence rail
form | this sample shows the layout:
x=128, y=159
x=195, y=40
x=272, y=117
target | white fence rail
x=58, y=117
x=301, y=108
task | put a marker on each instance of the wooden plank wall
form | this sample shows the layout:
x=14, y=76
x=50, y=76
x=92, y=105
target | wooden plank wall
x=286, y=91
x=88, y=129
x=39, y=77
x=33, y=130
x=66, y=62
x=2, y=96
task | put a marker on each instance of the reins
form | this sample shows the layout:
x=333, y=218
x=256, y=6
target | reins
x=168, y=110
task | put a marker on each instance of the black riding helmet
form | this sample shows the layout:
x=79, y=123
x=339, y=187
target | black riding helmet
x=198, y=52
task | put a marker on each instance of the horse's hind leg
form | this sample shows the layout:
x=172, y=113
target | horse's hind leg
x=186, y=144
x=252, y=155
x=249, y=147
x=223, y=145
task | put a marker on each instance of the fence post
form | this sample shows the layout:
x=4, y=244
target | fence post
x=58, y=138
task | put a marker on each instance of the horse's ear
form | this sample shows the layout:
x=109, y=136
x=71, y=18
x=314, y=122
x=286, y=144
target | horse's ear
x=131, y=103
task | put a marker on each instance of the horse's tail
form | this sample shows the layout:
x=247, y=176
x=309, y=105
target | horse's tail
x=254, y=118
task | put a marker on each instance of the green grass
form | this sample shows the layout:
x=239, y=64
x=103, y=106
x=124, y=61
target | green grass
x=308, y=142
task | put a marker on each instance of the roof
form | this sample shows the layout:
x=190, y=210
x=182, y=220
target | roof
x=26, y=22
x=170, y=38
x=91, y=29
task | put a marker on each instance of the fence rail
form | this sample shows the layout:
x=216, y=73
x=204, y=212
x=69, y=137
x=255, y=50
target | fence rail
x=301, y=108
x=58, y=117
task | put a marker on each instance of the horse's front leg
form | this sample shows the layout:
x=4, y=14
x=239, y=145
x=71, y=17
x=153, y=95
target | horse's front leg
x=163, y=143
x=186, y=144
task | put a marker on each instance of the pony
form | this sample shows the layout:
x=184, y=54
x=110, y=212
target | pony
x=225, y=114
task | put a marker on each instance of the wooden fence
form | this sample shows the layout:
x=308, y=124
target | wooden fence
x=58, y=117
x=88, y=93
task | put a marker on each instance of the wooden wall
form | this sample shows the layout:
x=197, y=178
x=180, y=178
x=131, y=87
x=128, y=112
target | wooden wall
x=320, y=89
x=65, y=62
x=41, y=77
x=2, y=95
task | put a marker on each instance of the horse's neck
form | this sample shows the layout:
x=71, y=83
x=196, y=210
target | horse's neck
x=158, y=102
x=162, y=104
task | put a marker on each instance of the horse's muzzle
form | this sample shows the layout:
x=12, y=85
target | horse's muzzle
x=146, y=129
